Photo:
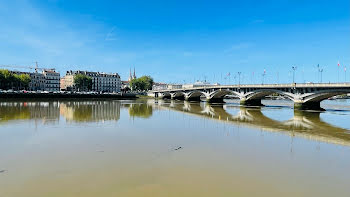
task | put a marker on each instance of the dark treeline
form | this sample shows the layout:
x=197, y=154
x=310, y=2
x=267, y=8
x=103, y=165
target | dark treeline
x=13, y=81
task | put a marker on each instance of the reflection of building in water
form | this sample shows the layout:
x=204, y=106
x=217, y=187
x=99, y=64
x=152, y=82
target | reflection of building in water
x=90, y=111
x=48, y=112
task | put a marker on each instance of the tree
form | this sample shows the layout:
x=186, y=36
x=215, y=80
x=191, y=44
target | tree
x=83, y=82
x=135, y=85
x=9, y=80
x=5, y=79
x=2, y=79
x=24, y=80
x=141, y=84
x=21, y=81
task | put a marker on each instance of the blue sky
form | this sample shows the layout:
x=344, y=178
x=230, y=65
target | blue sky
x=181, y=41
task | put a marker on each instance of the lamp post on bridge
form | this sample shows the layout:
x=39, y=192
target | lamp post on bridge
x=321, y=70
x=294, y=68
x=263, y=76
x=239, y=78
x=338, y=72
x=345, y=74
x=318, y=73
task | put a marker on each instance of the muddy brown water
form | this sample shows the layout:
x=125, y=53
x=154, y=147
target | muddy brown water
x=172, y=148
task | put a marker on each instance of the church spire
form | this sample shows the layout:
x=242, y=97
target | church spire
x=130, y=76
x=134, y=74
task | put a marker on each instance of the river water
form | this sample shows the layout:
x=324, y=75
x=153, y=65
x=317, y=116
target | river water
x=172, y=148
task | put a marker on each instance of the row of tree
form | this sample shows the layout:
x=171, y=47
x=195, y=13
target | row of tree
x=9, y=80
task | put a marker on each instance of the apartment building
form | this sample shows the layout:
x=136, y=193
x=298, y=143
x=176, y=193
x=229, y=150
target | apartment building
x=101, y=82
x=52, y=80
x=47, y=80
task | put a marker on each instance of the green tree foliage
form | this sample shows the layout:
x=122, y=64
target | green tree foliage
x=23, y=80
x=14, y=113
x=9, y=80
x=142, y=83
x=83, y=82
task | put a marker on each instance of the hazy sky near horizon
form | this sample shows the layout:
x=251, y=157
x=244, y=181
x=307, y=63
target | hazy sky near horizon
x=181, y=41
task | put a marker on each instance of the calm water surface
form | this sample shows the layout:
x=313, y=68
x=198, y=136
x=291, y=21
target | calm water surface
x=172, y=148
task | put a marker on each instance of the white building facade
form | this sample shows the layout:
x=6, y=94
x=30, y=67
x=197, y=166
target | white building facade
x=52, y=80
x=159, y=86
x=198, y=84
x=47, y=80
x=101, y=82
x=174, y=86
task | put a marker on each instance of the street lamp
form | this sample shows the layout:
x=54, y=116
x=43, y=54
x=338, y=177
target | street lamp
x=263, y=76
x=338, y=72
x=318, y=73
x=321, y=70
x=345, y=74
x=294, y=68
x=239, y=78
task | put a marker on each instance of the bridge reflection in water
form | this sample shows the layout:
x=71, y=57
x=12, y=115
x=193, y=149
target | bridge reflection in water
x=303, y=124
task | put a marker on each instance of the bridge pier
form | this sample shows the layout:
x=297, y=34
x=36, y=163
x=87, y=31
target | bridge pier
x=252, y=102
x=308, y=106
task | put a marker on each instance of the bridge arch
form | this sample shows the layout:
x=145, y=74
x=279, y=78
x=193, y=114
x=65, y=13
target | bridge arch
x=313, y=100
x=260, y=94
x=194, y=95
x=323, y=95
x=221, y=93
x=178, y=95
x=164, y=95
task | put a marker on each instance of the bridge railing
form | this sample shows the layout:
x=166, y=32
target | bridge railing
x=288, y=85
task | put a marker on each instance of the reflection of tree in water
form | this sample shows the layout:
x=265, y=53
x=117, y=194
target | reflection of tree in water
x=140, y=110
x=82, y=113
x=14, y=113
x=46, y=111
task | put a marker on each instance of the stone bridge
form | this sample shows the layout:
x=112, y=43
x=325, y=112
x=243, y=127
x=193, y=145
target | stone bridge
x=304, y=96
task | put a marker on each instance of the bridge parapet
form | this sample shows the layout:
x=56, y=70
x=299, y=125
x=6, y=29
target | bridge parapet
x=262, y=86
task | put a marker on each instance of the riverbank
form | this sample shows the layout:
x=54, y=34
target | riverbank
x=65, y=95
